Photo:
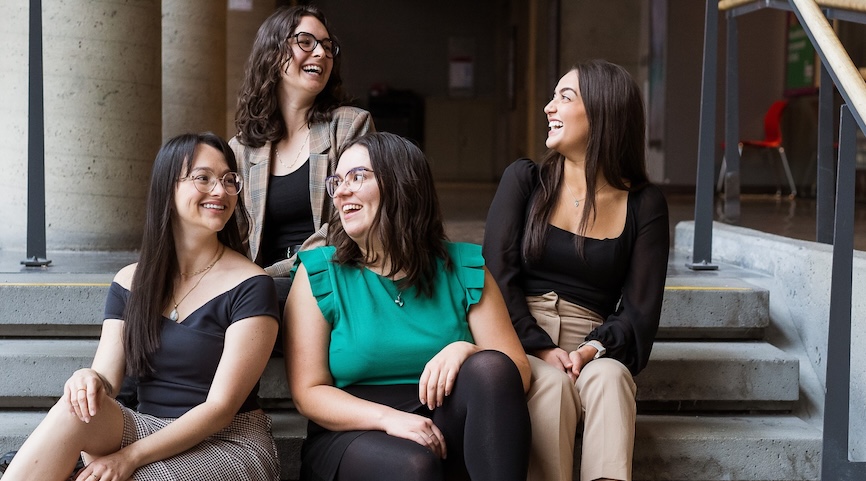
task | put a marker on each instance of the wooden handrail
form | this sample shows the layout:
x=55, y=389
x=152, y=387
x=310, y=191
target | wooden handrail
x=849, y=81
x=853, y=5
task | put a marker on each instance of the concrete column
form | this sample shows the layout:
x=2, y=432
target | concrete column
x=193, y=66
x=13, y=124
x=102, y=120
x=242, y=22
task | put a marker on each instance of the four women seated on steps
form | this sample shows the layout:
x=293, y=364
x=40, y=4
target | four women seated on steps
x=398, y=344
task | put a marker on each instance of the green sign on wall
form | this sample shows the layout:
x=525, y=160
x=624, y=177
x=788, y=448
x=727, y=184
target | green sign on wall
x=802, y=68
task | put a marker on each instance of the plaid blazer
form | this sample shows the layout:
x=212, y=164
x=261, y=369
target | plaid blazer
x=326, y=143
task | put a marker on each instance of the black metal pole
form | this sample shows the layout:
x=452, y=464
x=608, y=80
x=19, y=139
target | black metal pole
x=36, y=251
x=834, y=455
x=702, y=251
x=731, y=180
x=826, y=176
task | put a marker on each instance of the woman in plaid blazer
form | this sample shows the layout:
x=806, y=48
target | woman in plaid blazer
x=292, y=124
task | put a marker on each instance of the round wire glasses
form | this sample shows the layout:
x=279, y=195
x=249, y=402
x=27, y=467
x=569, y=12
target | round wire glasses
x=205, y=181
x=354, y=180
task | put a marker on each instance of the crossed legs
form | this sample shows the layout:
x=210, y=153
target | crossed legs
x=51, y=451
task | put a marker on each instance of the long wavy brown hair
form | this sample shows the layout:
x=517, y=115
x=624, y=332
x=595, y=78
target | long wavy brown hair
x=258, y=118
x=616, y=145
x=409, y=221
x=153, y=280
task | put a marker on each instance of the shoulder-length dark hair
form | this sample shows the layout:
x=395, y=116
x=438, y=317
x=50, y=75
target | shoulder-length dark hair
x=258, y=117
x=616, y=146
x=409, y=221
x=153, y=281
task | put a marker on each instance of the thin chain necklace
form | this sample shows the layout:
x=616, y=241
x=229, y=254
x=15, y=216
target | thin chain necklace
x=173, y=315
x=576, y=200
x=203, y=269
x=297, y=157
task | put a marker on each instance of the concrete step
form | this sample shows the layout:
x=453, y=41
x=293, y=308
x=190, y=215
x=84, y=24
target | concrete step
x=53, y=306
x=72, y=306
x=36, y=370
x=736, y=448
x=713, y=307
x=719, y=375
x=671, y=448
x=678, y=372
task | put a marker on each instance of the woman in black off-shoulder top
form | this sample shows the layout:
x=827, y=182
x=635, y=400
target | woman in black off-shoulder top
x=193, y=321
x=579, y=247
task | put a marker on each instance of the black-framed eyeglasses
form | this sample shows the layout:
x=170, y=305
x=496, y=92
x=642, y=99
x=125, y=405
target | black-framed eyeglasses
x=205, y=181
x=308, y=42
x=354, y=180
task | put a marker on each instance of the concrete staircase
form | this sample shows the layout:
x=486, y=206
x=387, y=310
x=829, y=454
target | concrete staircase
x=715, y=402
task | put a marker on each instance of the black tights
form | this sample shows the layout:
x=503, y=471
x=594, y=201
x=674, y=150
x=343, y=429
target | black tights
x=486, y=428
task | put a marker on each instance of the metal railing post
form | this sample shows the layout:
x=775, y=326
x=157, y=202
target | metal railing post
x=834, y=463
x=36, y=251
x=826, y=175
x=731, y=179
x=702, y=251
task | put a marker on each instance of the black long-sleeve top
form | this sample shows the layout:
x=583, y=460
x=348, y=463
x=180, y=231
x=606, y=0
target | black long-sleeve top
x=621, y=279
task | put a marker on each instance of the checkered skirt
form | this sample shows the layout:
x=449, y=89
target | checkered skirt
x=243, y=451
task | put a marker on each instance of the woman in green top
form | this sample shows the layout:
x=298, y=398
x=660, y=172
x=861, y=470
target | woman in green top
x=401, y=351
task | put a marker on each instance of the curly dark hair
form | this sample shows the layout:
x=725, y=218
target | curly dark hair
x=258, y=118
x=409, y=221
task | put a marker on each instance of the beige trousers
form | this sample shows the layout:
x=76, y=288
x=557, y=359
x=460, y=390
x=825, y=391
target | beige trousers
x=604, y=396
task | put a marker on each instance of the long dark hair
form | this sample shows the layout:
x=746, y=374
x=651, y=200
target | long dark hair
x=616, y=145
x=258, y=118
x=409, y=221
x=153, y=281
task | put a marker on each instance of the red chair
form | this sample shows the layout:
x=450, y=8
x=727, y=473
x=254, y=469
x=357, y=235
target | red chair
x=772, y=141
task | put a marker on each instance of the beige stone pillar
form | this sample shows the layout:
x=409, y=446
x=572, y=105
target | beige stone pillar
x=102, y=119
x=193, y=66
x=243, y=21
x=13, y=124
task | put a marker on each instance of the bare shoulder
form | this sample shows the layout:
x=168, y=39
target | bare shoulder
x=235, y=268
x=124, y=276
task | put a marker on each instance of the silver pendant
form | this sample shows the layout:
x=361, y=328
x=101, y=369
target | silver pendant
x=577, y=203
x=399, y=299
x=173, y=315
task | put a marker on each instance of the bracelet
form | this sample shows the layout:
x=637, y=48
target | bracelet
x=597, y=345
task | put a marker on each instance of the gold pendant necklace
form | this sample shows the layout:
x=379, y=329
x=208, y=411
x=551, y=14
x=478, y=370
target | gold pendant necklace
x=173, y=315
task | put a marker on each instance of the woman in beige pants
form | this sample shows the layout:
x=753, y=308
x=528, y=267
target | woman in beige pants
x=579, y=247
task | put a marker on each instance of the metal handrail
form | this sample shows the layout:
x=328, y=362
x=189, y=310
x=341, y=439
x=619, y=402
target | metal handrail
x=833, y=55
x=838, y=68
x=835, y=464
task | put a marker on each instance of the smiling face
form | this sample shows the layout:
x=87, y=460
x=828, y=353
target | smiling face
x=307, y=71
x=199, y=210
x=357, y=209
x=566, y=117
